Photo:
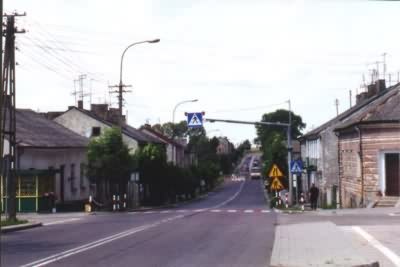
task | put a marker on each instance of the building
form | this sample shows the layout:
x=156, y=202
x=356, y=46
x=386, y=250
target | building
x=319, y=147
x=93, y=122
x=49, y=158
x=224, y=147
x=369, y=153
x=174, y=149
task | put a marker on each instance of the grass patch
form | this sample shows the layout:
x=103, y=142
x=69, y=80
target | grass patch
x=12, y=222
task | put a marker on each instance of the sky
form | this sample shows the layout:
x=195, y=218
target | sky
x=240, y=59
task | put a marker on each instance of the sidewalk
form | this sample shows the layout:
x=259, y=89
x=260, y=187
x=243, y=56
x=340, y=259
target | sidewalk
x=318, y=244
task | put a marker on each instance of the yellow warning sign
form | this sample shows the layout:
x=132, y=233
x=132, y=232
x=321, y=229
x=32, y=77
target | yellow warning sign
x=275, y=171
x=276, y=184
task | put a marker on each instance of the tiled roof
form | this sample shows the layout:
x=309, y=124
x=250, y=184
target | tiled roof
x=348, y=113
x=140, y=136
x=34, y=130
x=166, y=139
x=384, y=109
x=126, y=129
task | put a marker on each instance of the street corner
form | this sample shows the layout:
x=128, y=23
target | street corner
x=20, y=227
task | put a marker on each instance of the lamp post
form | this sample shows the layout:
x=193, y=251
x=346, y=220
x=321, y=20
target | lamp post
x=180, y=103
x=121, y=85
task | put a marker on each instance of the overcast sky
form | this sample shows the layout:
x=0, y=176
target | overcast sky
x=239, y=58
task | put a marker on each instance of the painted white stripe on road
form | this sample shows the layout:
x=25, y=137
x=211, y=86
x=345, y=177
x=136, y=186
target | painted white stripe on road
x=199, y=210
x=91, y=245
x=215, y=210
x=100, y=242
x=394, y=214
x=393, y=257
x=165, y=211
x=248, y=211
x=181, y=210
x=232, y=211
x=61, y=221
x=265, y=211
x=148, y=212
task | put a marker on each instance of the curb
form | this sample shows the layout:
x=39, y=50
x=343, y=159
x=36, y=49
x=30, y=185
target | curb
x=13, y=228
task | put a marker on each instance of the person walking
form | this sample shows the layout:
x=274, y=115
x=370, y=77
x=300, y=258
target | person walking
x=314, y=192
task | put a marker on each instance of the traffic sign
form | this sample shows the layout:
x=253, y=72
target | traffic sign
x=296, y=166
x=276, y=184
x=195, y=120
x=275, y=172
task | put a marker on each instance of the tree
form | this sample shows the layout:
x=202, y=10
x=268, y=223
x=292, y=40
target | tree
x=152, y=163
x=109, y=164
x=273, y=138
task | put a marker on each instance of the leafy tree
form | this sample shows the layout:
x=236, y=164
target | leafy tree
x=152, y=164
x=109, y=163
x=273, y=138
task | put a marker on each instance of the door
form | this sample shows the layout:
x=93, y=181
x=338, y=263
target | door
x=392, y=167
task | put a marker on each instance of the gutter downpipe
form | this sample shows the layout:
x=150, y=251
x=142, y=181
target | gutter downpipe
x=360, y=154
x=340, y=180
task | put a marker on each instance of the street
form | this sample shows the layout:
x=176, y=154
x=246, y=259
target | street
x=231, y=227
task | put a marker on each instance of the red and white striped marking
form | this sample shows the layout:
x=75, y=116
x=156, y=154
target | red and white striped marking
x=247, y=211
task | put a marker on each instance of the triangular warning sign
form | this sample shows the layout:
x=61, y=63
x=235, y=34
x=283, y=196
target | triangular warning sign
x=275, y=172
x=194, y=121
x=276, y=184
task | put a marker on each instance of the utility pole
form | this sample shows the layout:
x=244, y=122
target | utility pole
x=289, y=148
x=337, y=106
x=350, y=98
x=384, y=65
x=120, y=97
x=8, y=123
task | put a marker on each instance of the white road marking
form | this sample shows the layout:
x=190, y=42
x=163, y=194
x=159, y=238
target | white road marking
x=232, y=211
x=148, y=212
x=265, y=211
x=181, y=210
x=165, y=211
x=61, y=221
x=248, y=211
x=393, y=257
x=215, y=210
x=100, y=242
x=394, y=214
x=199, y=210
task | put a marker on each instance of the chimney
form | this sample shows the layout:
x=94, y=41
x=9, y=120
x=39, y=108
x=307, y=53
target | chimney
x=80, y=104
x=113, y=116
x=372, y=90
x=361, y=97
x=380, y=85
x=99, y=110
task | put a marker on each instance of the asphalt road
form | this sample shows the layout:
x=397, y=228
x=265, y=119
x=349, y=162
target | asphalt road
x=231, y=227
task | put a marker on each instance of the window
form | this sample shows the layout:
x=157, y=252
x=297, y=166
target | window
x=96, y=131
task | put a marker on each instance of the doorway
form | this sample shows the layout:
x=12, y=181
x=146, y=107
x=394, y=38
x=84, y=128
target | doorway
x=392, y=174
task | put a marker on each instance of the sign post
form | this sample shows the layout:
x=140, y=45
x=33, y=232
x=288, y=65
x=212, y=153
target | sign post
x=296, y=168
x=275, y=174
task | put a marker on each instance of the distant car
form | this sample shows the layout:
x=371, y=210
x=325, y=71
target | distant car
x=255, y=173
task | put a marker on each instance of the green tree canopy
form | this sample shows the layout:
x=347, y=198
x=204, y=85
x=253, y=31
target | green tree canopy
x=109, y=160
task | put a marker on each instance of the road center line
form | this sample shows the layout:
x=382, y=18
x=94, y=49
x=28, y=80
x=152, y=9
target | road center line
x=393, y=257
x=100, y=242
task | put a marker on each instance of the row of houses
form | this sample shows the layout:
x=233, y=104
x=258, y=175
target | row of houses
x=354, y=158
x=51, y=152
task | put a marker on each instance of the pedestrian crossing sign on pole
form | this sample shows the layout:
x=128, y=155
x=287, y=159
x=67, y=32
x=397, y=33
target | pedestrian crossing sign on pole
x=194, y=120
x=296, y=166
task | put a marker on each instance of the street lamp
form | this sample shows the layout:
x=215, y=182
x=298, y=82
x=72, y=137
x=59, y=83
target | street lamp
x=120, y=71
x=180, y=103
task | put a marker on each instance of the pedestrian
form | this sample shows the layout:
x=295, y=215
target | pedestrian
x=314, y=192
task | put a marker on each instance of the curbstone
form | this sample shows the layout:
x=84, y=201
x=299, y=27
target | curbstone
x=18, y=227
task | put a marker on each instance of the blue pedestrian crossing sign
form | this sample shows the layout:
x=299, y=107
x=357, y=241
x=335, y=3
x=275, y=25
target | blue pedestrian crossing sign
x=195, y=120
x=296, y=166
